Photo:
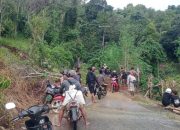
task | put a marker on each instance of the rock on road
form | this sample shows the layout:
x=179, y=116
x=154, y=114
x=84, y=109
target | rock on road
x=118, y=112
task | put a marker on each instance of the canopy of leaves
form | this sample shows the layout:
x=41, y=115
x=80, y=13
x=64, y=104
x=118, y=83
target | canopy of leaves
x=63, y=31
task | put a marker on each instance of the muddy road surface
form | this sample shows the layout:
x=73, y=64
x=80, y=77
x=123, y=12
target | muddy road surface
x=119, y=112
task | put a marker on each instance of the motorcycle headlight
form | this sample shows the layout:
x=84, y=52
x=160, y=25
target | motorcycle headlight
x=42, y=121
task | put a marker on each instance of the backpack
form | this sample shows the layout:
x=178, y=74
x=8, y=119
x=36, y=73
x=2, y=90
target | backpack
x=72, y=86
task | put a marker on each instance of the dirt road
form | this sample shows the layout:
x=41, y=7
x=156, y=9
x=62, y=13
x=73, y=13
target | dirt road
x=118, y=112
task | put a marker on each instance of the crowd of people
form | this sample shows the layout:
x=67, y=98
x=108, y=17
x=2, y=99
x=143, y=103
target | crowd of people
x=125, y=78
x=128, y=78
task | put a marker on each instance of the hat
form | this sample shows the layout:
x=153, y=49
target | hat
x=168, y=90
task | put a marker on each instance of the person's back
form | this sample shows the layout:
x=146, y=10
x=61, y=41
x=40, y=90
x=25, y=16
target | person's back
x=71, y=89
x=167, y=97
x=100, y=78
x=66, y=83
x=114, y=74
x=166, y=100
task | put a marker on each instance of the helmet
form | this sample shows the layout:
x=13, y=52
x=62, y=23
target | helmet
x=71, y=73
x=168, y=90
x=114, y=71
x=64, y=72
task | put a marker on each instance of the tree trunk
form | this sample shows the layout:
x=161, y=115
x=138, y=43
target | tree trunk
x=1, y=9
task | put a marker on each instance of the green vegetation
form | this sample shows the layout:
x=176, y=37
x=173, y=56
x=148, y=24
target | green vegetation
x=19, y=43
x=56, y=33
x=4, y=82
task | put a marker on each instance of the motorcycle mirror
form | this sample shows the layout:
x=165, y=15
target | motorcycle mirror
x=10, y=105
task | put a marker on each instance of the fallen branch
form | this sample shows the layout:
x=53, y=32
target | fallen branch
x=176, y=111
x=173, y=109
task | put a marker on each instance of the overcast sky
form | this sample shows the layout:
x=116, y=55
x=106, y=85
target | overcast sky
x=156, y=4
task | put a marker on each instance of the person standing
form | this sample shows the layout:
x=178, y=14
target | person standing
x=91, y=81
x=101, y=78
x=78, y=75
x=130, y=83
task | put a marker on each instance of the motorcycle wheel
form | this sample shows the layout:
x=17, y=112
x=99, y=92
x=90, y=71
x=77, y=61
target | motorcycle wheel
x=74, y=125
x=113, y=89
x=57, y=104
x=104, y=93
x=49, y=127
x=99, y=95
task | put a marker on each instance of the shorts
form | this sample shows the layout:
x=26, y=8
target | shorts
x=91, y=88
x=131, y=87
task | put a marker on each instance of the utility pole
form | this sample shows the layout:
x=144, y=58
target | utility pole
x=103, y=38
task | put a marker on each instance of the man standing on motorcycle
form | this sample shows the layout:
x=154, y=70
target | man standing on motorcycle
x=80, y=99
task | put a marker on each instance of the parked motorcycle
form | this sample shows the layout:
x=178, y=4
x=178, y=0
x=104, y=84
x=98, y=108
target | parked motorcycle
x=53, y=97
x=37, y=121
x=101, y=90
x=57, y=103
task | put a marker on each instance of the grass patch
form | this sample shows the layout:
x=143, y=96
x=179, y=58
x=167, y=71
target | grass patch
x=19, y=43
x=4, y=82
x=8, y=57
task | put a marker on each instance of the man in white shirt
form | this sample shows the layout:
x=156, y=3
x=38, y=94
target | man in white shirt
x=130, y=83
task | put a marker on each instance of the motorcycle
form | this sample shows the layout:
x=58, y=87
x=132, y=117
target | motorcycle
x=37, y=121
x=101, y=90
x=73, y=113
x=114, y=84
x=53, y=97
x=57, y=103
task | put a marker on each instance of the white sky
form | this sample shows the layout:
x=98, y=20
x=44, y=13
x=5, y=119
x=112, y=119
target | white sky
x=156, y=4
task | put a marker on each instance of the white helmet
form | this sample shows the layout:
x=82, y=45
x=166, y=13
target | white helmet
x=168, y=90
x=114, y=71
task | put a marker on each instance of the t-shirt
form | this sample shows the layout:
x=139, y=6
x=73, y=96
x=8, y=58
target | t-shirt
x=167, y=99
x=124, y=75
x=91, y=78
x=130, y=79
x=100, y=79
x=77, y=77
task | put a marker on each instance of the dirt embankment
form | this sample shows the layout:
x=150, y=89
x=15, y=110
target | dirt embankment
x=23, y=92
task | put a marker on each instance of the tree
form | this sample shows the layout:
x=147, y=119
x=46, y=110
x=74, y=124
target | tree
x=38, y=25
x=169, y=40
